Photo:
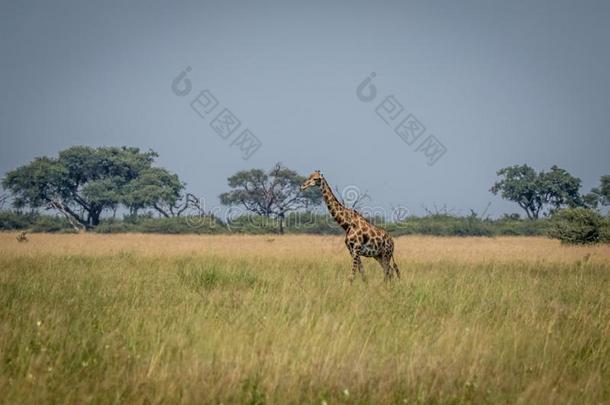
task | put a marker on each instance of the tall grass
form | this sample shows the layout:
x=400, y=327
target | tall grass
x=151, y=319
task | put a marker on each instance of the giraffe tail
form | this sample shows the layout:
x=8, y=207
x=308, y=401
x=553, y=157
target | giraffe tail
x=395, y=267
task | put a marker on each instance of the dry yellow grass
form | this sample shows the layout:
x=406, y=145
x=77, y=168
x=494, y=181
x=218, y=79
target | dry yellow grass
x=253, y=319
x=410, y=248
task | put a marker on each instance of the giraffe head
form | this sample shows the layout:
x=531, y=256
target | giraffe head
x=314, y=179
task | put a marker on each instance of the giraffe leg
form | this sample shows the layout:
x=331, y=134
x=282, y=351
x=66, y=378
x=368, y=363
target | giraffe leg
x=362, y=275
x=388, y=258
x=356, y=263
x=387, y=269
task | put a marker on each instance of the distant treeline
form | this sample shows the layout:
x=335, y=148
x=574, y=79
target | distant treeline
x=295, y=223
x=83, y=184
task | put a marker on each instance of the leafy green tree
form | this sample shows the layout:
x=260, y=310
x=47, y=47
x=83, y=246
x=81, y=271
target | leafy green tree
x=3, y=200
x=560, y=189
x=599, y=195
x=520, y=184
x=82, y=182
x=270, y=194
x=535, y=191
x=157, y=188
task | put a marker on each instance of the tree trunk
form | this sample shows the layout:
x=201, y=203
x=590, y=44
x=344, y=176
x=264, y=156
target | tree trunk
x=93, y=216
x=536, y=212
x=161, y=211
x=77, y=223
x=280, y=224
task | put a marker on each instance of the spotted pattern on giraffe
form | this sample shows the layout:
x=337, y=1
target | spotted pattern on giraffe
x=362, y=238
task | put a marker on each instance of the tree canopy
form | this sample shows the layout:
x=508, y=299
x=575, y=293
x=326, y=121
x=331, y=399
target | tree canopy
x=270, y=194
x=599, y=195
x=535, y=192
x=82, y=182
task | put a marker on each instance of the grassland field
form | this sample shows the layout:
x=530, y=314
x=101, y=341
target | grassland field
x=147, y=319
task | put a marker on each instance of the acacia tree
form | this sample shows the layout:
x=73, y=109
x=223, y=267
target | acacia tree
x=270, y=194
x=3, y=200
x=536, y=191
x=155, y=188
x=560, y=189
x=599, y=195
x=82, y=182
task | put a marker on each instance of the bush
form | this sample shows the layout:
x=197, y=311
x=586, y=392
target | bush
x=508, y=226
x=174, y=225
x=179, y=225
x=450, y=225
x=312, y=223
x=443, y=225
x=12, y=220
x=113, y=226
x=33, y=221
x=252, y=225
x=295, y=223
x=47, y=223
x=579, y=226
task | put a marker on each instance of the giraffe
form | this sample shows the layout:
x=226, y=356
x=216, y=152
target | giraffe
x=361, y=237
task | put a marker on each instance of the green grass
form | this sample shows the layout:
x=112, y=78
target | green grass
x=201, y=329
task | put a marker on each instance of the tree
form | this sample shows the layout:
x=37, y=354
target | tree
x=520, y=184
x=3, y=200
x=599, y=195
x=271, y=194
x=157, y=188
x=82, y=182
x=560, y=189
x=534, y=191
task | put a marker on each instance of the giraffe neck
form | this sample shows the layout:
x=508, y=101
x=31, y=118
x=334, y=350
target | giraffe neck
x=336, y=209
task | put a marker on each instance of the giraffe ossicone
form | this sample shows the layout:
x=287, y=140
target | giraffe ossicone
x=362, y=238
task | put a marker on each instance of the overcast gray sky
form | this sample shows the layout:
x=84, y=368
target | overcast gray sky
x=496, y=82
